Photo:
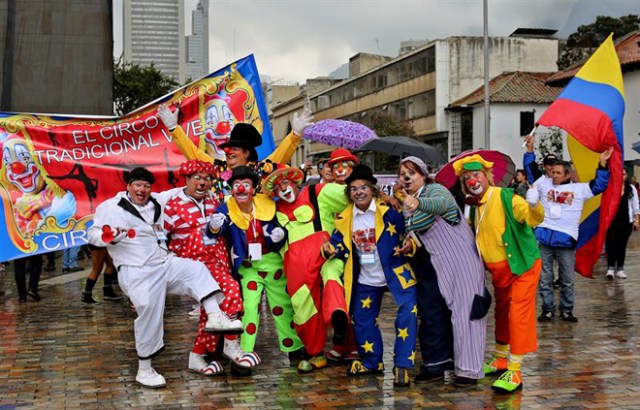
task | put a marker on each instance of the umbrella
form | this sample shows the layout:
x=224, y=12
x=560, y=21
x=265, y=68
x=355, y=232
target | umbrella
x=339, y=133
x=405, y=146
x=503, y=167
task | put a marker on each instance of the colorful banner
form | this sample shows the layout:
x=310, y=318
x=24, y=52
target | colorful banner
x=591, y=109
x=57, y=169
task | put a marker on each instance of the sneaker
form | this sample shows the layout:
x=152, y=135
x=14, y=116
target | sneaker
x=509, y=382
x=150, y=379
x=316, y=362
x=109, y=294
x=401, y=377
x=195, y=312
x=621, y=275
x=610, y=273
x=87, y=298
x=199, y=365
x=463, y=382
x=335, y=356
x=33, y=294
x=495, y=365
x=358, y=369
x=568, y=317
x=220, y=323
x=234, y=352
x=424, y=377
x=546, y=317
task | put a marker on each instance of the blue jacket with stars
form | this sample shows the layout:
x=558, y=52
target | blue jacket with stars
x=389, y=228
x=236, y=225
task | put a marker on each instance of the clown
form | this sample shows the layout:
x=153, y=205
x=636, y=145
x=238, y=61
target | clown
x=502, y=222
x=220, y=121
x=185, y=220
x=247, y=222
x=37, y=198
x=341, y=163
x=316, y=290
x=240, y=148
x=366, y=239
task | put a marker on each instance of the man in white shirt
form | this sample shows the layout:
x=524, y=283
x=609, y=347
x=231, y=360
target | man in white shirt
x=129, y=225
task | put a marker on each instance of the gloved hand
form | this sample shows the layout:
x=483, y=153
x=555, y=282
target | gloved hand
x=216, y=221
x=170, y=119
x=277, y=234
x=299, y=123
x=119, y=235
x=532, y=196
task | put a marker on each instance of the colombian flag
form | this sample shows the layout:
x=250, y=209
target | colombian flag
x=590, y=109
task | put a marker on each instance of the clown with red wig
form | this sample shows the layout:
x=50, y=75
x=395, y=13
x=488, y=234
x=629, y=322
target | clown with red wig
x=185, y=220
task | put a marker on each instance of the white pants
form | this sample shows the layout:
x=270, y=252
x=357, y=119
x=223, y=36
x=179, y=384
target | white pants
x=147, y=287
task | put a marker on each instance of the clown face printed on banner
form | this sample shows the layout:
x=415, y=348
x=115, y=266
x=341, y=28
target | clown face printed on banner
x=19, y=168
x=219, y=123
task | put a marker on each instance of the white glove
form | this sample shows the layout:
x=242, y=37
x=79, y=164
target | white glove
x=299, y=123
x=532, y=196
x=119, y=235
x=216, y=221
x=277, y=234
x=170, y=119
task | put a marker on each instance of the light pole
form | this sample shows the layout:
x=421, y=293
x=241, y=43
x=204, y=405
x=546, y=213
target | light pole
x=487, y=116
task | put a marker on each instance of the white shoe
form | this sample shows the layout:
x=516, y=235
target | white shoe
x=609, y=274
x=220, y=323
x=234, y=352
x=621, y=275
x=199, y=365
x=150, y=379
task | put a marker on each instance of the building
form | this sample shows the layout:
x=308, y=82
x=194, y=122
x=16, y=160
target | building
x=154, y=34
x=57, y=56
x=417, y=86
x=197, y=59
x=518, y=99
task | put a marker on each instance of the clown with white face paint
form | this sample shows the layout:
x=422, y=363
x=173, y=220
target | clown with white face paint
x=316, y=289
x=502, y=222
x=36, y=199
x=247, y=222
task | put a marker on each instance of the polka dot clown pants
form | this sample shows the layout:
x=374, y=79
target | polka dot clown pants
x=267, y=274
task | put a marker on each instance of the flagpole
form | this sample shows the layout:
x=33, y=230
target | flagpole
x=487, y=116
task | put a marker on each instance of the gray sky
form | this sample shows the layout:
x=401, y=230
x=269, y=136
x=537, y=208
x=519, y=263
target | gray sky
x=299, y=39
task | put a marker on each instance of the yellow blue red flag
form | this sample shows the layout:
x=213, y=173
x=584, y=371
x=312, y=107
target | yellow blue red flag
x=590, y=109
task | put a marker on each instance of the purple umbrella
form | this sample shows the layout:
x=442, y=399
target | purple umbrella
x=339, y=133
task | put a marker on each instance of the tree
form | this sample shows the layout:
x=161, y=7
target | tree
x=135, y=85
x=584, y=41
x=384, y=125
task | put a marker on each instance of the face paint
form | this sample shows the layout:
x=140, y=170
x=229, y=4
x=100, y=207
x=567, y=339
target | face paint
x=476, y=182
x=286, y=191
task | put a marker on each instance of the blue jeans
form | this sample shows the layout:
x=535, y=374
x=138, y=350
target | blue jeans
x=566, y=261
x=70, y=257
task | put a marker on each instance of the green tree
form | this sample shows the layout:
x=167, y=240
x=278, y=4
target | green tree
x=135, y=85
x=385, y=125
x=584, y=41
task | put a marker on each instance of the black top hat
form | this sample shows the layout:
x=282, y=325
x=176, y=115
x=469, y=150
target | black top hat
x=361, y=172
x=245, y=136
x=243, y=172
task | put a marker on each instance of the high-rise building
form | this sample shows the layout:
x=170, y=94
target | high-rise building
x=197, y=62
x=154, y=33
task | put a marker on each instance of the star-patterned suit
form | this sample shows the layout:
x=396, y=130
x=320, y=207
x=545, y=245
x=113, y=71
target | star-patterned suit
x=364, y=300
x=266, y=274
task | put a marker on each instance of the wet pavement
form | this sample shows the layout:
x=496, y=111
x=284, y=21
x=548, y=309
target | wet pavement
x=59, y=353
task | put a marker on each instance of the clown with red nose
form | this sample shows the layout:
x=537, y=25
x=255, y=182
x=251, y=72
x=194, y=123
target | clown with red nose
x=247, y=222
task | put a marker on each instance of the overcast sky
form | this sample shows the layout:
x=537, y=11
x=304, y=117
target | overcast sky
x=298, y=39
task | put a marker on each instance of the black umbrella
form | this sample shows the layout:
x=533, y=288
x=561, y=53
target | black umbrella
x=404, y=147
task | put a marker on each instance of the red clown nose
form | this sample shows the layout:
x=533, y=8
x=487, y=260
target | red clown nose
x=472, y=182
x=227, y=150
x=223, y=128
x=240, y=189
x=18, y=167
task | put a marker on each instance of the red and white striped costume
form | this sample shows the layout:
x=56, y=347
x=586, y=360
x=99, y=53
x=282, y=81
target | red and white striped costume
x=184, y=220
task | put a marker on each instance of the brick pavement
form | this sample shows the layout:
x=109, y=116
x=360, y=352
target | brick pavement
x=61, y=354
